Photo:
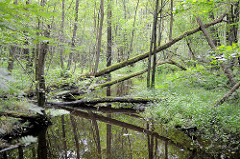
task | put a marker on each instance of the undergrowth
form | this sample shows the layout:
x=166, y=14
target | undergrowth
x=188, y=99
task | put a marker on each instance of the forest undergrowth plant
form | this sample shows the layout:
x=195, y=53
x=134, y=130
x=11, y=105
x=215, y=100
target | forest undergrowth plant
x=188, y=102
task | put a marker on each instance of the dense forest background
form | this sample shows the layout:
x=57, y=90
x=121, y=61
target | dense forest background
x=184, y=52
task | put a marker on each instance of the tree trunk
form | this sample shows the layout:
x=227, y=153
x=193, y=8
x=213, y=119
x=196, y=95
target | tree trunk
x=213, y=47
x=105, y=100
x=171, y=20
x=70, y=59
x=158, y=49
x=133, y=31
x=109, y=34
x=154, y=41
x=62, y=35
x=228, y=94
x=11, y=59
x=40, y=65
x=99, y=44
x=139, y=73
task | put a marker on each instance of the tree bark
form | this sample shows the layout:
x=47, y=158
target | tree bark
x=213, y=47
x=99, y=44
x=74, y=36
x=154, y=43
x=11, y=59
x=145, y=55
x=105, y=100
x=133, y=31
x=62, y=34
x=227, y=95
x=171, y=20
x=139, y=73
x=40, y=65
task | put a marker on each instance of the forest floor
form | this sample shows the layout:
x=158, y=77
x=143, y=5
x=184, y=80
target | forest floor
x=188, y=99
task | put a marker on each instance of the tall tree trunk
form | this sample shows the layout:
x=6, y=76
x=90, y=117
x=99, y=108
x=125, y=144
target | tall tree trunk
x=40, y=65
x=214, y=32
x=232, y=29
x=99, y=44
x=171, y=20
x=133, y=31
x=109, y=34
x=11, y=59
x=153, y=48
x=70, y=59
x=12, y=51
x=62, y=34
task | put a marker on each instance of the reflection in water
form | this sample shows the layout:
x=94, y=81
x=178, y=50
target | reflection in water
x=86, y=134
x=42, y=144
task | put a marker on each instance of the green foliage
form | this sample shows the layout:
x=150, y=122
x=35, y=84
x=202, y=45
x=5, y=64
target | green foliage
x=188, y=99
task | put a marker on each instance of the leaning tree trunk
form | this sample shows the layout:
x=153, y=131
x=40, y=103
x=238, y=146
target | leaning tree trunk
x=158, y=49
x=213, y=47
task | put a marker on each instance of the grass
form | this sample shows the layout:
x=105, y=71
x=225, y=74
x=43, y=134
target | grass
x=189, y=97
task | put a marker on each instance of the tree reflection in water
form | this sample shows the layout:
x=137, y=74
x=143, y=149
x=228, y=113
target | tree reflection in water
x=91, y=134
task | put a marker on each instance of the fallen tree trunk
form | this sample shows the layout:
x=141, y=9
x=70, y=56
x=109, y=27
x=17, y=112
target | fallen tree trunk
x=225, y=69
x=227, y=72
x=228, y=94
x=145, y=55
x=102, y=108
x=23, y=116
x=105, y=100
x=138, y=73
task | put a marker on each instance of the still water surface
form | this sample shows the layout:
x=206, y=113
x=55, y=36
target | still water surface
x=120, y=133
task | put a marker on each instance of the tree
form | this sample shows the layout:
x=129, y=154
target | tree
x=99, y=37
x=73, y=36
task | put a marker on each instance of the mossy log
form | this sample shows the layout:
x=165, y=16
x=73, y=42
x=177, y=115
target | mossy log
x=105, y=100
x=35, y=123
x=22, y=116
x=139, y=73
x=145, y=55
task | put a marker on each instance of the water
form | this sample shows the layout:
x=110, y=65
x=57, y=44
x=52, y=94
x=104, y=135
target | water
x=93, y=134
x=110, y=132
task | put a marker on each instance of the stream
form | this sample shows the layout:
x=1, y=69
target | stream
x=120, y=133
x=115, y=131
